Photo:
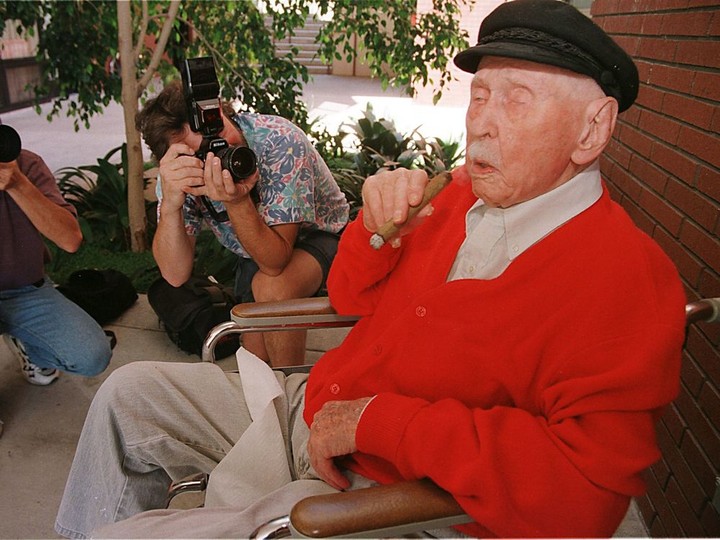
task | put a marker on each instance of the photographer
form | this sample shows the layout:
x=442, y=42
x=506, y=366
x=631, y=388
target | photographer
x=45, y=330
x=283, y=221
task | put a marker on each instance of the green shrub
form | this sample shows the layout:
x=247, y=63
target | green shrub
x=100, y=196
x=371, y=144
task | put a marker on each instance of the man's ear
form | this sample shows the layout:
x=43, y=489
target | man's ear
x=600, y=118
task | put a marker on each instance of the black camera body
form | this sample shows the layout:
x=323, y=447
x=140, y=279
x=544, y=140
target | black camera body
x=202, y=98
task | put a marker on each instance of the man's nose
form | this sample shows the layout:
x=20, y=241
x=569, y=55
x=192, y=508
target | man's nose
x=482, y=121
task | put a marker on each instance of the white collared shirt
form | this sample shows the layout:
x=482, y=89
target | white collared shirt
x=494, y=237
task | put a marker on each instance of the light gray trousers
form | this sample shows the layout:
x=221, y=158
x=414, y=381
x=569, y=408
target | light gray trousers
x=151, y=423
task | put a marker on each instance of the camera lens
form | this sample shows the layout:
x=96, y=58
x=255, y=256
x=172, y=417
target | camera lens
x=10, y=144
x=239, y=160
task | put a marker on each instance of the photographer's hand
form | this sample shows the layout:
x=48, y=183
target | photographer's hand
x=218, y=184
x=180, y=173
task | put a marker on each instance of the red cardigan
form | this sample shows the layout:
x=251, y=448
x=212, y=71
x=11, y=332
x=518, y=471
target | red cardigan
x=531, y=397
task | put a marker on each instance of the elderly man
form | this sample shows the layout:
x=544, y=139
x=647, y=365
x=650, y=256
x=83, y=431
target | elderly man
x=515, y=346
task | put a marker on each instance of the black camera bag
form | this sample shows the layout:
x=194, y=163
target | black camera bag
x=190, y=311
x=104, y=294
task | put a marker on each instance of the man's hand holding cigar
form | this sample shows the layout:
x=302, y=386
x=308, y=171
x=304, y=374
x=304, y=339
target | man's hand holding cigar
x=394, y=202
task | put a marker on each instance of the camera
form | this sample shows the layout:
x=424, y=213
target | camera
x=202, y=98
x=10, y=144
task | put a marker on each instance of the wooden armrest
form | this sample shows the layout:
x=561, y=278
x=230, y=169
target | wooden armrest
x=303, y=311
x=377, y=511
x=296, y=314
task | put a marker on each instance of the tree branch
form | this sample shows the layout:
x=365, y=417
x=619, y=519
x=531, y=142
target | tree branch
x=143, y=30
x=160, y=46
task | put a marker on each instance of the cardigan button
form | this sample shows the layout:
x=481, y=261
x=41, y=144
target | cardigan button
x=335, y=389
x=420, y=311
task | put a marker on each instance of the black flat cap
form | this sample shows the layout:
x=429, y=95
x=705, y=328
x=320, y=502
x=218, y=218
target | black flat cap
x=555, y=33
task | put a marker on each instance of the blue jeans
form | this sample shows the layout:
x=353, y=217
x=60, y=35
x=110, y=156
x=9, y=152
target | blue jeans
x=56, y=332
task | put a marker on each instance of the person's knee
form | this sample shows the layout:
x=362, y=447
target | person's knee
x=95, y=360
x=122, y=385
x=267, y=288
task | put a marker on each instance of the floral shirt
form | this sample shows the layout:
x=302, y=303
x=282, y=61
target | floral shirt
x=295, y=184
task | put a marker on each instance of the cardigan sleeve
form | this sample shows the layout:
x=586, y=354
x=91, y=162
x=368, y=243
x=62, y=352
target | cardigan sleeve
x=567, y=469
x=358, y=272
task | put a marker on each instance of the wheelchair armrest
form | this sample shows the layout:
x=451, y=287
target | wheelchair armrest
x=378, y=511
x=304, y=312
x=706, y=309
x=295, y=314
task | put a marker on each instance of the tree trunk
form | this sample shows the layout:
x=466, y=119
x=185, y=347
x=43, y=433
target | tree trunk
x=136, y=184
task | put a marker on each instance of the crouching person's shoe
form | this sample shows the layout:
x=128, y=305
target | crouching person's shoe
x=32, y=373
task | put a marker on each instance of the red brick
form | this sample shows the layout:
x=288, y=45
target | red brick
x=648, y=173
x=673, y=161
x=692, y=111
x=692, y=491
x=683, y=510
x=622, y=24
x=661, y=471
x=665, y=128
x=662, y=212
x=673, y=424
x=709, y=401
x=671, y=77
x=696, y=206
x=705, y=433
x=708, y=181
x=651, y=24
x=645, y=70
x=636, y=140
x=706, y=85
x=639, y=216
x=665, y=519
x=687, y=265
x=704, y=353
x=702, y=144
x=659, y=5
x=650, y=97
x=647, y=511
x=703, y=53
x=656, y=48
x=701, y=3
x=601, y=7
x=710, y=520
x=715, y=122
x=701, y=244
x=657, y=529
x=700, y=465
x=629, y=117
x=618, y=153
x=622, y=181
x=691, y=376
x=687, y=23
x=714, y=29
x=709, y=286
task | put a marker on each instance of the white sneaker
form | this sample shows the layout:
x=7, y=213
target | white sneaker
x=32, y=373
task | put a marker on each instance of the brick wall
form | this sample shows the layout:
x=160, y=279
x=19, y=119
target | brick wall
x=663, y=166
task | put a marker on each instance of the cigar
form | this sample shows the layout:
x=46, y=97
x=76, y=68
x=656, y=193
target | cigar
x=390, y=229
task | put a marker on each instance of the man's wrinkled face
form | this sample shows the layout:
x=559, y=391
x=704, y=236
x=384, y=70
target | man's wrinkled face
x=523, y=123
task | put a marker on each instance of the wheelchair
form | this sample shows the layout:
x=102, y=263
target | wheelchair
x=401, y=509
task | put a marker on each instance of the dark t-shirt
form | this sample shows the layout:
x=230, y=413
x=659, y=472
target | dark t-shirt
x=22, y=251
